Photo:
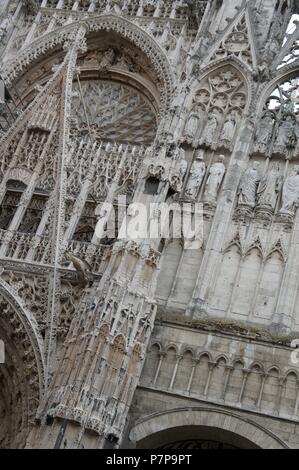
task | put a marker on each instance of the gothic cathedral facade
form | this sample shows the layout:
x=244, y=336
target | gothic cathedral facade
x=112, y=342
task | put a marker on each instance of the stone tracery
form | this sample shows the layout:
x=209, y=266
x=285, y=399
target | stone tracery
x=115, y=113
x=156, y=112
x=220, y=100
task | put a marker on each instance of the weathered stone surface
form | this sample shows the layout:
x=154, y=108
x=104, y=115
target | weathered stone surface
x=112, y=341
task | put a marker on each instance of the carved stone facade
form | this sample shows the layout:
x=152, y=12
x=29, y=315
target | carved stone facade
x=114, y=343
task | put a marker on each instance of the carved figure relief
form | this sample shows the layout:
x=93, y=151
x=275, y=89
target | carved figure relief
x=192, y=125
x=269, y=187
x=248, y=186
x=216, y=175
x=197, y=173
x=290, y=194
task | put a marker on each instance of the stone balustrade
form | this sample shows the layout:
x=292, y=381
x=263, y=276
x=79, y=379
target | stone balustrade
x=33, y=249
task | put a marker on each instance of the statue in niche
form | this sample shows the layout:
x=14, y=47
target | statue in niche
x=265, y=130
x=211, y=128
x=216, y=175
x=106, y=59
x=171, y=150
x=290, y=193
x=178, y=106
x=182, y=172
x=262, y=73
x=192, y=63
x=192, y=125
x=160, y=151
x=180, y=97
x=197, y=173
x=271, y=50
x=270, y=187
x=286, y=137
x=248, y=186
x=229, y=128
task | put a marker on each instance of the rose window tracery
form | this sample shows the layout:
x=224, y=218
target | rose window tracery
x=116, y=112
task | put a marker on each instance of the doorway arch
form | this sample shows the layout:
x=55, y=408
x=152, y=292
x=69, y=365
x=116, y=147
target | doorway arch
x=21, y=370
x=184, y=428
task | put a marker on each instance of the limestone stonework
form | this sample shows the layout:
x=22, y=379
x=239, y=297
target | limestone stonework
x=114, y=343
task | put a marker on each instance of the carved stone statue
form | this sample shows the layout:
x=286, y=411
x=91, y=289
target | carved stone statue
x=229, y=128
x=107, y=59
x=216, y=175
x=271, y=49
x=183, y=165
x=290, y=194
x=192, y=125
x=197, y=173
x=270, y=187
x=82, y=266
x=265, y=130
x=248, y=186
x=263, y=72
x=180, y=97
x=211, y=128
x=286, y=134
x=178, y=173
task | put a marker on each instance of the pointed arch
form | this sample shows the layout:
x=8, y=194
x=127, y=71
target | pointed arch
x=205, y=354
x=279, y=248
x=28, y=324
x=22, y=375
x=236, y=241
x=256, y=245
x=236, y=65
x=286, y=73
x=222, y=92
x=257, y=365
x=54, y=41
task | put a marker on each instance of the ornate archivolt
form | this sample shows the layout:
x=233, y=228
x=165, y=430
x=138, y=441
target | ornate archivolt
x=124, y=28
x=28, y=324
x=22, y=374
